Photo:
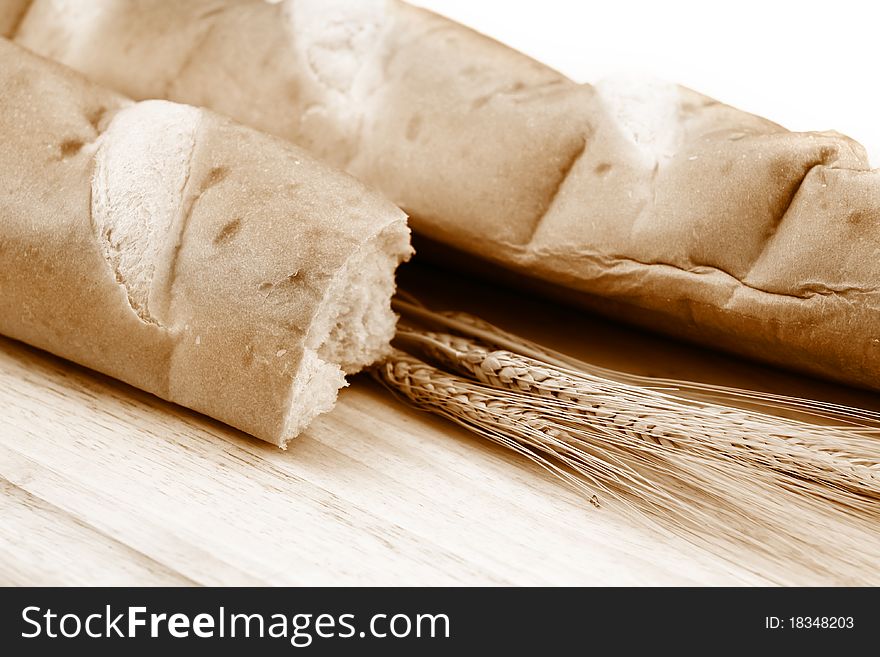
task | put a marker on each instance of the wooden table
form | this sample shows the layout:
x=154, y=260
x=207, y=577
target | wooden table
x=105, y=484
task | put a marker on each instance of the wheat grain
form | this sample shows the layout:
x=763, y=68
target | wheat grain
x=859, y=419
x=726, y=506
x=720, y=475
x=799, y=451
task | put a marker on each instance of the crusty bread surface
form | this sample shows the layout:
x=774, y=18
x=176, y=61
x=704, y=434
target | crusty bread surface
x=202, y=261
x=647, y=201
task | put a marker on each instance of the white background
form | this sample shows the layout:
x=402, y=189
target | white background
x=807, y=65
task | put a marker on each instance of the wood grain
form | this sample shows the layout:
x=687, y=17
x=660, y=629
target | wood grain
x=105, y=484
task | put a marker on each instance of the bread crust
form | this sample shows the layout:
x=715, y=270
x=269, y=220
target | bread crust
x=264, y=230
x=668, y=209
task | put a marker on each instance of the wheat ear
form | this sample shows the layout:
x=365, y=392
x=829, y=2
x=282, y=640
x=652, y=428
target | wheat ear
x=797, y=453
x=714, y=473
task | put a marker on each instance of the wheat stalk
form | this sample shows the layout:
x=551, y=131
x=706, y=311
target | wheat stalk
x=712, y=472
x=790, y=448
x=860, y=420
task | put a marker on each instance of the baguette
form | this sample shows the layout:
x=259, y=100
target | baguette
x=648, y=202
x=194, y=258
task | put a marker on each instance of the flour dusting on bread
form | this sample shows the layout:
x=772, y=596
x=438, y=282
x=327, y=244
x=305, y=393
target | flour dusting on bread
x=141, y=167
x=338, y=40
x=646, y=111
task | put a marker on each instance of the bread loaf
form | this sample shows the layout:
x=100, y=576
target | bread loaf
x=646, y=201
x=202, y=261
